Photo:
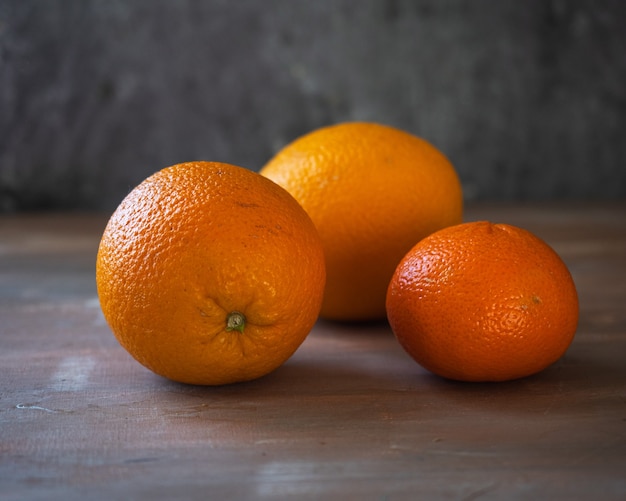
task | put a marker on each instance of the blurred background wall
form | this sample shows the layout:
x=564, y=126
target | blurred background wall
x=527, y=98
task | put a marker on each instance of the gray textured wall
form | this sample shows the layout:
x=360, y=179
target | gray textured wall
x=527, y=98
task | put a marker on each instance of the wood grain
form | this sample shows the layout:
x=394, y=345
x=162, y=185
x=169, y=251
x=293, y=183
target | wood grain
x=349, y=416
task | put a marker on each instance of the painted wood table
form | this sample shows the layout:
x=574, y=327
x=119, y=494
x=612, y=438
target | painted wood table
x=349, y=416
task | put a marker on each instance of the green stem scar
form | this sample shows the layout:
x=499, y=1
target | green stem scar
x=235, y=321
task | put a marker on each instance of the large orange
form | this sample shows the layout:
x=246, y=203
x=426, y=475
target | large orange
x=483, y=302
x=372, y=191
x=209, y=273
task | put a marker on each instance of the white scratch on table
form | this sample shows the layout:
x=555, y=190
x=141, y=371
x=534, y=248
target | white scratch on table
x=33, y=407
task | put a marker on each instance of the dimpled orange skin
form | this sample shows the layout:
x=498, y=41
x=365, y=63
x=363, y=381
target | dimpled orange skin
x=372, y=192
x=194, y=243
x=483, y=302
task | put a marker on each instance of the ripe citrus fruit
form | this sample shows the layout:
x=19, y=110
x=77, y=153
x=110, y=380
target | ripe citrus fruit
x=372, y=192
x=483, y=302
x=209, y=273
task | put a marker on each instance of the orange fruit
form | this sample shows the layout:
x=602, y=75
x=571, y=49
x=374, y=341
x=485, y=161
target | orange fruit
x=208, y=273
x=372, y=192
x=483, y=302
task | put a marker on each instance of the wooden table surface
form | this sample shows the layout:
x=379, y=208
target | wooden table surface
x=349, y=416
